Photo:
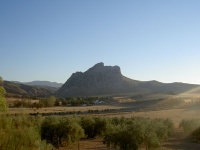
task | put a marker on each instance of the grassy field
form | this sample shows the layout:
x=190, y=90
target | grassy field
x=60, y=109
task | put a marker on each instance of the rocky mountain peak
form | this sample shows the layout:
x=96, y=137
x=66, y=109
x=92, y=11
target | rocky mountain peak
x=100, y=68
x=98, y=78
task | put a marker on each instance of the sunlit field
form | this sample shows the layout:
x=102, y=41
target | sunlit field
x=185, y=106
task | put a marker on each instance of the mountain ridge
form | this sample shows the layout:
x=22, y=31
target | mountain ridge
x=13, y=88
x=108, y=80
x=40, y=83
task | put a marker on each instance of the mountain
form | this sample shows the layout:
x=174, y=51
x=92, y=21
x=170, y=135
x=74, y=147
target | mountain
x=13, y=88
x=45, y=84
x=108, y=80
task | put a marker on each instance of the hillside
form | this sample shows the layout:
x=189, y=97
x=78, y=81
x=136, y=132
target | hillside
x=26, y=90
x=108, y=80
x=45, y=84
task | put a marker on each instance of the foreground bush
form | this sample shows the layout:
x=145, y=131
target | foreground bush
x=189, y=126
x=3, y=106
x=196, y=135
x=21, y=133
x=61, y=131
x=136, y=132
x=31, y=133
x=93, y=126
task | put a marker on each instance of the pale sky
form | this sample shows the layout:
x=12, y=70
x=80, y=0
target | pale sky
x=149, y=40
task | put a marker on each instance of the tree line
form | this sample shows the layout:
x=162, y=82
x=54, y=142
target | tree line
x=53, y=101
x=121, y=133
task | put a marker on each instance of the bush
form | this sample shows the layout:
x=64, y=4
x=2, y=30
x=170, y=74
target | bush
x=196, y=135
x=93, y=126
x=21, y=133
x=130, y=134
x=3, y=106
x=189, y=126
x=88, y=124
x=48, y=102
x=61, y=131
x=27, y=133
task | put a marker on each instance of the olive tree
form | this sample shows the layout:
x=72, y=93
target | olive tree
x=48, y=102
x=131, y=134
x=61, y=131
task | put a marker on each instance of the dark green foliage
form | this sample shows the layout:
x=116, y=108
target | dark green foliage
x=130, y=134
x=48, y=102
x=78, y=101
x=88, y=124
x=196, y=135
x=94, y=126
x=61, y=131
x=21, y=133
x=3, y=106
x=189, y=125
x=27, y=133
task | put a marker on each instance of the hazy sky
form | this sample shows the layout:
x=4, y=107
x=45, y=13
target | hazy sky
x=148, y=39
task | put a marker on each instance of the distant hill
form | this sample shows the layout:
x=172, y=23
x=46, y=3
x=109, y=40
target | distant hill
x=54, y=86
x=26, y=90
x=44, y=83
x=108, y=80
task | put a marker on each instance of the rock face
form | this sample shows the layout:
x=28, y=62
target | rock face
x=97, y=80
x=108, y=80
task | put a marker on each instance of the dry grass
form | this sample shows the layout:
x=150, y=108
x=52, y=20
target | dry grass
x=87, y=144
x=60, y=109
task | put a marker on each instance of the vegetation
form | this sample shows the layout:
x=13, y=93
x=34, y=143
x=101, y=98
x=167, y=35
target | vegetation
x=43, y=102
x=26, y=132
x=189, y=126
x=48, y=102
x=130, y=134
x=3, y=106
x=26, y=102
x=94, y=126
x=78, y=101
x=21, y=133
x=196, y=135
x=61, y=131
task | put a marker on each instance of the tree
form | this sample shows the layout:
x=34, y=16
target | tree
x=130, y=134
x=88, y=124
x=3, y=106
x=48, y=102
x=196, y=135
x=189, y=126
x=61, y=131
x=51, y=101
x=21, y=132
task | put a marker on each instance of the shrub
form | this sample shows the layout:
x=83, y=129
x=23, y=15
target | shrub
x=61, y=131
x=48, y=102
x=196, y=135
x=21, y=133
x=94, y=126
x=88, y=124
x=189, y=126
x=3, y=106
x=130, y=134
